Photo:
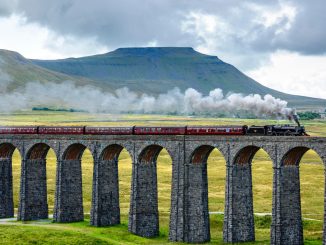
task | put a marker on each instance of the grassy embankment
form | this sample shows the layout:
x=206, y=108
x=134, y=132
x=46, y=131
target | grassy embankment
x=312, y=185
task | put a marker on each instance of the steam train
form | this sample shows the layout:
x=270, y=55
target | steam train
x=268, y=130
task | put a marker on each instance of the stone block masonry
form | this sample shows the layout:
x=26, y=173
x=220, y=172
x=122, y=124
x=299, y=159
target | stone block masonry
x=239, y=220
x=105, y=206
x=291, y=222
x=196, y=204
x=143, y=216
x=6, y=196
x=69, y=194
x=189, y=213
x=33, y=192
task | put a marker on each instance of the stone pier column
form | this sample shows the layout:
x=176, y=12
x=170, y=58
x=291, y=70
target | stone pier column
x=105, y=202
x=33, y=193
x=196, y=206
x=176, y=228
x=143, y=214
x=238, y=217
x=287, y=222
x=276, y=208
x=69, y=196
x=6, y=194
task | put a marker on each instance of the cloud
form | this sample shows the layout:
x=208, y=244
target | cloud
x=260, y=26
x=7, y=7
x=44, y=43
x=307, y=35
x=244, y=33
x=234, y=30
x=294, y=73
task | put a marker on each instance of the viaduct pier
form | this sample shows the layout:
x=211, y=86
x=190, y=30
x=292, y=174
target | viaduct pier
x=189, y=216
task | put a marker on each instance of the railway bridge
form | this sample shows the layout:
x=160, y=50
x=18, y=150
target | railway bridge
x=189, y=215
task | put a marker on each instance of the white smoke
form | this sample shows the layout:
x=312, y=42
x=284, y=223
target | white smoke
x=67, y=95
x=5, y=78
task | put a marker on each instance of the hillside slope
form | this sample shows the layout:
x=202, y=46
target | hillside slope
x=157, y=70
x=19, y=71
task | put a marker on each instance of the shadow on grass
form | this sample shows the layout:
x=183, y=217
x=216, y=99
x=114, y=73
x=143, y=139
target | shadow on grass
x=46, y=232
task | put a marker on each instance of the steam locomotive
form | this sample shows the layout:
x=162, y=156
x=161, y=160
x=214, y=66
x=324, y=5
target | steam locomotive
x=268, y=130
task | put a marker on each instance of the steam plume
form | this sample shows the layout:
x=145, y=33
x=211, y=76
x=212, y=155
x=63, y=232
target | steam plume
x=87, y=98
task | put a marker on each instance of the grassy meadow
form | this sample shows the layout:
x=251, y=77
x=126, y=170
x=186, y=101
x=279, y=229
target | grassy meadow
x=37, y=232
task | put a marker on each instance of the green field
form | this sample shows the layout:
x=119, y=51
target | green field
x=311, y=175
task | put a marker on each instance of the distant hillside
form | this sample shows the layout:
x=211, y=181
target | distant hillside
x=21, y=71
x=157, y=70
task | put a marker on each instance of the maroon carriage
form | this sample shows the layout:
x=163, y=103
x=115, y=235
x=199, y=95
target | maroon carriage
x=18, y=130
x=61, y=130
x=159, y=130
x=216, y=130
x=109, y=130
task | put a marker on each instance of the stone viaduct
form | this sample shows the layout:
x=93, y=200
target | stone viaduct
x=189, y=217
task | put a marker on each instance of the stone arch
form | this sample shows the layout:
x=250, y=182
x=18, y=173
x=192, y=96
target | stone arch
x=145, y=151
x=111, y=152
x=114, y=147
x=6, y=180
x=293, y=156
x=201, y=154
x=38, y=151
x=149, y=154
x=105, y=199
x=74, y=152
x=245, y=155
x=6, y=150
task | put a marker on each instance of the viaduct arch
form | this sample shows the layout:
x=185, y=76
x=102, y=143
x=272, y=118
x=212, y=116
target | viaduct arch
x=189, y=219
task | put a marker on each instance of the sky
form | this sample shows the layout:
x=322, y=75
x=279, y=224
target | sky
x=281, y=44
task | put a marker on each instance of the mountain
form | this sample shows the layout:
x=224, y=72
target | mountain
x=20, y=71
x=157, y=70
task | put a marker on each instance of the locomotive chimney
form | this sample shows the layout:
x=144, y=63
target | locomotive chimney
x=296, y=119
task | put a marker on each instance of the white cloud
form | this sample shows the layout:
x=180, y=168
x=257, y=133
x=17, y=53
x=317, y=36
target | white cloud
x=294, y=73
x=209, y=30
x=269, y=17
x=35, y=41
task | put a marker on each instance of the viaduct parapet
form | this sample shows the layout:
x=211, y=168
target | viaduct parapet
x=189, y=216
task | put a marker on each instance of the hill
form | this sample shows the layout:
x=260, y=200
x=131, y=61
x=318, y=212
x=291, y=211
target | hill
x=19, y=71
x=157, y=70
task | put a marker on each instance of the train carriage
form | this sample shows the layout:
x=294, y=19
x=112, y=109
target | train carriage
x=18, y=130
x=159, y=130
x=216, y=130
x=60, y=130
x=109, y=130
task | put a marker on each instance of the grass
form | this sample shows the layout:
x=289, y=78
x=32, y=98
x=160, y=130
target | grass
x=311, y=176
x=83, y=233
